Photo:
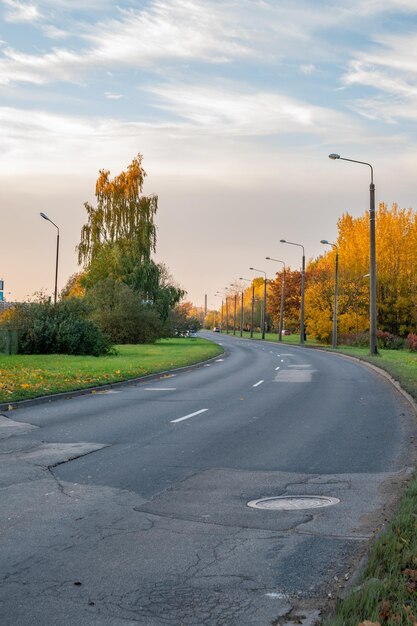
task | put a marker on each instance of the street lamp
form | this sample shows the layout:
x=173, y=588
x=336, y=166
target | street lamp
x=336, y=281
x=45, y=217
x=372, y=255
x=253, y=269
x=234, y=311
x=223, y=293
x=303, y=272
x=252, y=304
x=219, y=295
x=281, y=312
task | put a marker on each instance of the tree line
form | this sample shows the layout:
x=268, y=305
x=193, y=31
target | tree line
x=396, y=253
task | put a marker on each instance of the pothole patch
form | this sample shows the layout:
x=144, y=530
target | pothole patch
x=292, y=503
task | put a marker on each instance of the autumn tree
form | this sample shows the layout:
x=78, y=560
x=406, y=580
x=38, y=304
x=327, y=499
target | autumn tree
x=396, y=248
x=119, y=238
x=292, y=298
x=123, y=216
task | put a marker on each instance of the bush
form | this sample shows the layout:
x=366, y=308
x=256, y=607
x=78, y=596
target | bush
x=411, y=342
x=358, y=340
x=63, y=328
x=389, y=341
x=121, y=313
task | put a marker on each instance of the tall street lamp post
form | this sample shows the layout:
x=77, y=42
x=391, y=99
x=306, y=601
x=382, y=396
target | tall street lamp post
x=281, y=312
x=303, y=272
x=45, y=217
x=234, y=313
x=336, y=282
x=253, y=269
x=252, y=303
x=220, y=295
x=372, y=255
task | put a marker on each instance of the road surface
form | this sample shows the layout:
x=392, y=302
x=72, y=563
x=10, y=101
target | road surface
x=149, y=522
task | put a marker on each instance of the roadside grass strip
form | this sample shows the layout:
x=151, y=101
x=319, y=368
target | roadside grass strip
x=23, y=377
x=387, y=592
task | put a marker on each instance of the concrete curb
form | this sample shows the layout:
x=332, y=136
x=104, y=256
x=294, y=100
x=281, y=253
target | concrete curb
x=12, y=406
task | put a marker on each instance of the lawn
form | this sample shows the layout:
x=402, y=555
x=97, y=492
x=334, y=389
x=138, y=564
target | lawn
x=30, y=376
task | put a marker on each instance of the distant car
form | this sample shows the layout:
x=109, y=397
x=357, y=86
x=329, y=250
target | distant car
x=216, y=329
x=286, y=332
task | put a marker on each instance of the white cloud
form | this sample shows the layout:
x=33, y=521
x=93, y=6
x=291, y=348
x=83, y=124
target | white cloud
x=180, y=30
x=20, y=11
x=113, y=96
x=232, y=111
x=390, y=68
x=53, y=32
x=307, y=69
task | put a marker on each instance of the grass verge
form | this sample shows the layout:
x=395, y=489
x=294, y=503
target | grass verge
x=30, y=376
x=387, y=593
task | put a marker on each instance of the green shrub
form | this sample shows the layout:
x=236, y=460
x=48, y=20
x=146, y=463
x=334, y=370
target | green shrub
x=122, y=314
x=63, y=328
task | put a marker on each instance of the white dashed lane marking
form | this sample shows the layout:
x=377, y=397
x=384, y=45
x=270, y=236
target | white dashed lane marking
x=186, y=417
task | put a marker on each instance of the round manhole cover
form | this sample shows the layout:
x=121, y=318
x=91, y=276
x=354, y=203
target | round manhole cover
x=292, y=503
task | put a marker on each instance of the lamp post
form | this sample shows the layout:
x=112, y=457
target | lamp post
x=281, y=312
x=45, y=217
x=253, y=269
x=252, y=303
x=218, y=294
x=303, y=272
x=336, y=282
x=234, y=312
x=372, y=255
x=227, y=311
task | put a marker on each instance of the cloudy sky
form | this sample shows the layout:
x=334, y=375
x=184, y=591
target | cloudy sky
x=235, y=106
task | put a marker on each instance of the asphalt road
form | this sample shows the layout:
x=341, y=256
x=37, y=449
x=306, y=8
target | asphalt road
x=149, y=522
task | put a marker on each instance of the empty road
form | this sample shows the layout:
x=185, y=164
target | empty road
x=130, y=506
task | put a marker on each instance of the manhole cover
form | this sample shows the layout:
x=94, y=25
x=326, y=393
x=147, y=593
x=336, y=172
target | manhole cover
x=292, y=503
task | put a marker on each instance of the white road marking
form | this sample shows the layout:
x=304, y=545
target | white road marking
x=277, y=368
x=219, y=360
x=186, y=417
x=258, y=383
x=160, y=389
x=300, y=366
x=294, y=376
x=282, y=360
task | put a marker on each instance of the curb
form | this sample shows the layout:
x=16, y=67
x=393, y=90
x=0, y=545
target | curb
x=65, y=395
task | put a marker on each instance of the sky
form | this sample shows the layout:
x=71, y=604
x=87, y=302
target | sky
x=234, y=106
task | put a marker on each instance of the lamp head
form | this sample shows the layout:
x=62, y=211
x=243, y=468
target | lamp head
x=268, y=258
x=324, y=241
x=334, y=156
x=45, y=217
x=251, y=268
x=283, y=241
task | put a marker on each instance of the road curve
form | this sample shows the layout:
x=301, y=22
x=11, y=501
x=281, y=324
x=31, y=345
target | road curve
x=149, y=523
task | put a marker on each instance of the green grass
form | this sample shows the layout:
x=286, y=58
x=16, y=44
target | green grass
x=30, y=376
x=387, y=593
x=293, y=339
